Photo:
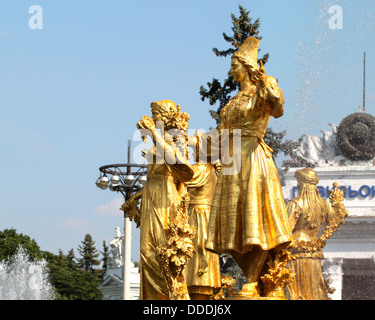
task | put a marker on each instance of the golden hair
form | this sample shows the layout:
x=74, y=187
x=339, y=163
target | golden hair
x=309, y=199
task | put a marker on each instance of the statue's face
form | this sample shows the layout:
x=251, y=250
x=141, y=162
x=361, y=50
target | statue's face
x=299, y=186
x=237, y=70
x=156, y=111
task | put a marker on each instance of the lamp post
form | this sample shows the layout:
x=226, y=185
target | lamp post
x=127, y=179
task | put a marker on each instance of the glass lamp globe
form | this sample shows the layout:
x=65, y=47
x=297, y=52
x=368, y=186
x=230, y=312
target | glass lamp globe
x=104, y=182
x=129, y=179
x=115, y=180
x=98, y=183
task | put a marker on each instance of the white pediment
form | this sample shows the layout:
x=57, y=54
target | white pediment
x=110, y=281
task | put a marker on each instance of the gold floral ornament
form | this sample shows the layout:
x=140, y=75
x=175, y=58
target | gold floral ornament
x=227, y=288
x=329, y=289
x=277, y=276
x=175, y=124
x=336, y=198
x=178, y=119
x=179, y=249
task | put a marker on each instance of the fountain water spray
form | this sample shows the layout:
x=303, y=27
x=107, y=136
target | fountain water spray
x=21, y=279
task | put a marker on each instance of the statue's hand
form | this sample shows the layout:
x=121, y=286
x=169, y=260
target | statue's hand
x=146, y=123
x=261, y=75
x=147, y=127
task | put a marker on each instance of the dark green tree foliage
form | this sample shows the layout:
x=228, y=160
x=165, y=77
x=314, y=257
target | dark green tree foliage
x=72, y=264
x=70, y=281
x=105, y=254
x=242, y=28
x=76, y=280
x=276, y=141
x=89, y=254
x=10, y=241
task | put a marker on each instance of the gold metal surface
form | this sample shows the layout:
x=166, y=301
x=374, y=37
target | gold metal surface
x=163, y=206
x=203, y=270
x=188, y=215
x=277, y=275
x=178, y=250
x=226, y=289
x=248, y=214
x=313, y=221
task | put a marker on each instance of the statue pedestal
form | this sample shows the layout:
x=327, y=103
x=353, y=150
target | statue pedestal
x=257, y=299
x=239, y=298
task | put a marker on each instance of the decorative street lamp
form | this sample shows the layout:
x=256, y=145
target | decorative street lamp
x=127, y=179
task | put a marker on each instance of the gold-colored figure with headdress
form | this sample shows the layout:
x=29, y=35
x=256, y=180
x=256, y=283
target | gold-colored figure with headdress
x=248, y=214
x=313, y=220
x=164, y=201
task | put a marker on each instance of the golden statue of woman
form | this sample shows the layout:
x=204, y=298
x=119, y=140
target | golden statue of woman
x=248, y=213
x=167, y=170
x=203, y=269
x=308, y=213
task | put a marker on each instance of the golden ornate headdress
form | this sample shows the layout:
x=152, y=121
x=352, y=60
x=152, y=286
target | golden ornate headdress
x=174, y=121
x=171, y=114
x=248, y=52
x=307, y=175
x=163, y=106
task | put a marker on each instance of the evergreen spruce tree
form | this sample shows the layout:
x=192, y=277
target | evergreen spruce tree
x=242, y=28
x=71, y=260
x=89, y=254
x=69, y=281
x=105, y=254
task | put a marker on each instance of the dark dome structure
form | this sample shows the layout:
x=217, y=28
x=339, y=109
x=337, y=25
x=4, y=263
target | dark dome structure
x=356, y=137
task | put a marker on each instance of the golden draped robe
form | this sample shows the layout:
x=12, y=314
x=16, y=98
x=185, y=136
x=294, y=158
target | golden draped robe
x=248, y=206
x=203, y=269
x=160, y=199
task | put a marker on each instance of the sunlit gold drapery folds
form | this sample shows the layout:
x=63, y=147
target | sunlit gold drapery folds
x=163, y=199
x=203, y=270
x=248, y=214
x=160, y=200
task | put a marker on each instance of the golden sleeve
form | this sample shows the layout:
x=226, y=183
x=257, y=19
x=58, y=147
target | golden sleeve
x=272, y=96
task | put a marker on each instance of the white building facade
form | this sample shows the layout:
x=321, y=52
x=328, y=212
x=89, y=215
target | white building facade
x=112, y=286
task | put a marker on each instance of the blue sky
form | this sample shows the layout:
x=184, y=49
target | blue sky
x=71, y=93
